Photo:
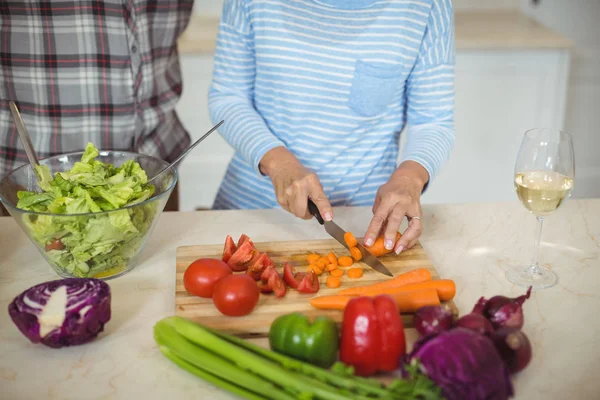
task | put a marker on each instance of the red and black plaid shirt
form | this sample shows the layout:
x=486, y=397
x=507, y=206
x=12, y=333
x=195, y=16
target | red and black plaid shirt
x=105, y=72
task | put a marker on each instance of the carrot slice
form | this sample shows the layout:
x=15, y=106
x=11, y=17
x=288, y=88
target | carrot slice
x=313, y=258
x=321, y=263
x=445, y=288
x=355, y=273
x=315, y=269
x=337, y=272
x=331, y=267
x=356, y=254
x=350, y=239
x=407, y=302
x=332, y=258
x=345, y=261
x=415, y=276
x=333, y=282
x=378, y=249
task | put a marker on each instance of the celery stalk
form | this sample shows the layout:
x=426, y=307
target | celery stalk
x=215, y=380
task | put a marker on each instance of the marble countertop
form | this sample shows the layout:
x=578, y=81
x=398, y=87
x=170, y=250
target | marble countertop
x=474, y=30
x=472, y=244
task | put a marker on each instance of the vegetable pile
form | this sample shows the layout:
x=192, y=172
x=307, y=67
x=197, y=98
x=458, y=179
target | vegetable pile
x=90, y=245
x=64, y=312
x=473, y=357
x=252, y=372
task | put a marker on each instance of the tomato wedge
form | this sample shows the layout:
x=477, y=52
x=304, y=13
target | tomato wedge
x=291, y=277
x=258, y=267
x=244, y=239
x=265, y=288
x=309, y=284
x=267, y=273
x=277, y=285
x=244, y=256
x=229, y=249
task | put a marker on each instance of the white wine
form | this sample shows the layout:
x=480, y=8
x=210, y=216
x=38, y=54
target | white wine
x=542, y=192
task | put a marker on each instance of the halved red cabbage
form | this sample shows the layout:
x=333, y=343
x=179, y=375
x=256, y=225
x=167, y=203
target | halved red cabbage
x=64, y=312
x=464, y=364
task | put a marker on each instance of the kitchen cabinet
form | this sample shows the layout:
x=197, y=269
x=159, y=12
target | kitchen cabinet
x=504, y=86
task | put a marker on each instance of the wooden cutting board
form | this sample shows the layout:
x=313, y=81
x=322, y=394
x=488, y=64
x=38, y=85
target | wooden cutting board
x=269, y=307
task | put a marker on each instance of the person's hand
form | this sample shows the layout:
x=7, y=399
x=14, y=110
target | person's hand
x=294, y=184
x=397, y=198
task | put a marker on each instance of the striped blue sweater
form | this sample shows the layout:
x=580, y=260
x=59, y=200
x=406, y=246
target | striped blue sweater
x=334, y=81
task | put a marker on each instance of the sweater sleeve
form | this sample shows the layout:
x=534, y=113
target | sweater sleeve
x=231, y=94
x=430, y=94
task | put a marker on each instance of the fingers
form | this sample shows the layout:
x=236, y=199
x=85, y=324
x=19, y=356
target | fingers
x=298, y=200
x=318, y=196
x=380, y=216
x=393, y=225
x=411, y=235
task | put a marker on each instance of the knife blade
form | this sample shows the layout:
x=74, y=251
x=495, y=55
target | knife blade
x=337, y=233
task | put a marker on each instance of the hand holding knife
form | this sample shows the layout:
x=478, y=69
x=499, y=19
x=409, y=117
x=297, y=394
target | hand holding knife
x=338, y=234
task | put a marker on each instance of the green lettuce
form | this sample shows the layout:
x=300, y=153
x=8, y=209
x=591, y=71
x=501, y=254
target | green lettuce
x=94, y=244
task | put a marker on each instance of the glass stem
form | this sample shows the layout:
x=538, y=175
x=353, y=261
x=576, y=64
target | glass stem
x=534, y=268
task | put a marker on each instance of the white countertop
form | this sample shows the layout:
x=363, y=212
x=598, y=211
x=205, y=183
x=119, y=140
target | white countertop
x=471, y=243
x=474, y=30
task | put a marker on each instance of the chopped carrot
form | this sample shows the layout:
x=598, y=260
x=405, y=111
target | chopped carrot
x=355, y=273
x=331, y=267
x=378, y=249
x=345, y=261
x=315, y=269
x=313, y=258
x=337, y=272
x=333, y=282
x=415, y=276
x=446, y=289
x=332, y=258
x=350, y=239
x=321, y=263
x=356, y=254
x=407, y=302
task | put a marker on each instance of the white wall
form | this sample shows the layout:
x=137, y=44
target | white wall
x=578, y=21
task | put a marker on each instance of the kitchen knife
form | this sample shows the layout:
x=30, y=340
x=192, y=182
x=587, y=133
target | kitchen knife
x=338, y=234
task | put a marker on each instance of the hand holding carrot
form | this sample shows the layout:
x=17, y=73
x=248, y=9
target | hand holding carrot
x=294, y=184
x=400, y=197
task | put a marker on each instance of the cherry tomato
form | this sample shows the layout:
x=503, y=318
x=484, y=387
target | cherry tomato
x=309, y=284
x=236, y=295
x=201, y=276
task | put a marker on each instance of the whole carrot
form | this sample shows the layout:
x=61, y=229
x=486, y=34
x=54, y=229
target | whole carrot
x=446, y=289
x=415, y=276
x=408, y=302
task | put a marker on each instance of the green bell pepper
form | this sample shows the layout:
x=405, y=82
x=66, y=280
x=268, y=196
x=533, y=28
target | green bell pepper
x=316, y=343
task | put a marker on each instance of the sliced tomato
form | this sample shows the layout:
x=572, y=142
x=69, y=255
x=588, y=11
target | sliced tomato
x=244, y=256
x=257, y=268
x=277, y=284
x=267, y=273
x=309, y=284
x=265, y=288
x=291, y=277
x=244, y=239
x=229, y=249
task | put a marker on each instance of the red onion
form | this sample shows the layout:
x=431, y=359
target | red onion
x=430, y=320
x=475, y=322
x=514, y=348
x=503, y=311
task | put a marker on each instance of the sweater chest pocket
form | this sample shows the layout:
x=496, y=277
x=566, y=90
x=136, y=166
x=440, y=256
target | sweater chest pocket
x=374, y=87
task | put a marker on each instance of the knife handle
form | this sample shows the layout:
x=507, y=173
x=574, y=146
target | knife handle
x=314, y=210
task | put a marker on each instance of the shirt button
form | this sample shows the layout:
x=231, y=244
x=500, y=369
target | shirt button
x=134, y=49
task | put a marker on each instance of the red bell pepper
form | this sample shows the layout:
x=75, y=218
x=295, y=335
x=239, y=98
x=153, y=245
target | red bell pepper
x=372, y=335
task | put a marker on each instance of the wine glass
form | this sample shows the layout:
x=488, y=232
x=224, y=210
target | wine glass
x=544, y=174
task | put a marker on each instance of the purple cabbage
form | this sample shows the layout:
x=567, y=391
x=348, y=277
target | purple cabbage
x=64, y=312
x=464, y=364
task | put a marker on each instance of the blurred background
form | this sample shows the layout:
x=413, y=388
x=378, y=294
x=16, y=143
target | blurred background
x=520, y=64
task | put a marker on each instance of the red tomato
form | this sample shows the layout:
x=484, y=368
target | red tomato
x=277, y=284
x=244, y=256
x=257, y=268
x=265, y=288
x=236, y=295
x=55, y=245
x=309, y=284
x=243, y=239
x=200, y=277
x=229, y=248
x=267, y=273
x=291, y=277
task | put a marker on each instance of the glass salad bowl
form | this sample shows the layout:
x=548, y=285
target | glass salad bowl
x=93, y=219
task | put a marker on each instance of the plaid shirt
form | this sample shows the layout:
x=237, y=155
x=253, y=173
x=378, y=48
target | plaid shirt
x=102, y=71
